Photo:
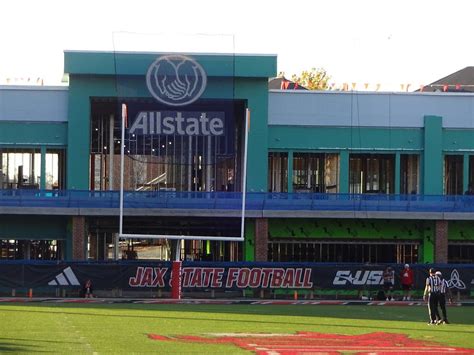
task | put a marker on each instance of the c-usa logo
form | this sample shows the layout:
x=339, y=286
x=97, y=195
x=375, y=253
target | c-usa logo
x=176, y=80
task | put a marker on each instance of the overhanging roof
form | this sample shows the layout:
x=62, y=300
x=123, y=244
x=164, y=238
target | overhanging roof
x=137, y=63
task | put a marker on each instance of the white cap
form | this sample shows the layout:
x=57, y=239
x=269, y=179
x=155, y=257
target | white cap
x=438, y=273
x=406, y=265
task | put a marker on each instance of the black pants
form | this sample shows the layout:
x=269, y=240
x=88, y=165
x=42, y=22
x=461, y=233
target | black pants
x=433, y=302
x=442, y=305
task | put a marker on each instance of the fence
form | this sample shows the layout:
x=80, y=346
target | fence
x=211, y=279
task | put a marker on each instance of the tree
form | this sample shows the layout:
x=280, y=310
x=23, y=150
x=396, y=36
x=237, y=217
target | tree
x=314, y=79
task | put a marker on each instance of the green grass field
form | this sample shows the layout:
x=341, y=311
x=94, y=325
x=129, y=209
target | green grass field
x=124, y=328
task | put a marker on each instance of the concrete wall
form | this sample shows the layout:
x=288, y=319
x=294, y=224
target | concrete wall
x=363, y=109
x=30, y=103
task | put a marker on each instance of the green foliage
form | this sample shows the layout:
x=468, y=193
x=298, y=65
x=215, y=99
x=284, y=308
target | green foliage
x=314, y=79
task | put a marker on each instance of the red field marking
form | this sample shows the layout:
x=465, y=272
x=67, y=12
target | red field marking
x=310, y=343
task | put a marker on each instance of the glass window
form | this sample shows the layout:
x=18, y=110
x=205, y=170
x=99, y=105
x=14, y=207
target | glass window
x=31, y=249
x=409, y=174
x=55, y=169
x=21, y=168
x=453, y=174
x=315, y=172
x=176, y=162
x=371, y=173
x=461, y=253
x=360, y=252
x=278, y=172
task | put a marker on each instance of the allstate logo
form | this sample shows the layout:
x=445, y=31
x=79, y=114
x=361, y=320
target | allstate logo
x=176, y=80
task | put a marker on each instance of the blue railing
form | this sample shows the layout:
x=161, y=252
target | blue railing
x=256, y=201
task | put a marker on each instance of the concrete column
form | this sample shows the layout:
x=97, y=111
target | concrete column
x=290, y=171
x=43, y=168
x=261, y=239
x=465, y=174
x=441, y=242
x=433, y=156
x=79, y=238
x=397, y=174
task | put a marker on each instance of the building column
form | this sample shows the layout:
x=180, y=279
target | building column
x=43, y=168
x=261, y=239
x=397, y=174
x=465, y=173
x=79, y=237
x=433, y=156
x=441, y=242
x=290, y=172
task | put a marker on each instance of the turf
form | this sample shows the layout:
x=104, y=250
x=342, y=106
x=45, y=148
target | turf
x=124, y=328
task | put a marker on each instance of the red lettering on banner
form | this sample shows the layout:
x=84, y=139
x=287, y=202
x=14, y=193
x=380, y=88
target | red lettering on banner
x=135, y=281
x=232, y=275
x=255, y=277
x=298, y=281
x=196, y=279
x=289, y=279
x=267, y=273
x=243, y=278
x=159, y=277
x=147, y=278
x=277, y=278
x=186, y=276
x=307, y=283
x=217, y=277
x=207, y=274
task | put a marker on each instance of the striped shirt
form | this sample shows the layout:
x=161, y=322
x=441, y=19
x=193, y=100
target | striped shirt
x=444, y=286
x=434, y=282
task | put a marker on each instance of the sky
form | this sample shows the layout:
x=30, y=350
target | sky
x=385, y=42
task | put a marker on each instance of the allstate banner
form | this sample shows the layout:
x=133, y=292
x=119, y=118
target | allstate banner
x=222, y=276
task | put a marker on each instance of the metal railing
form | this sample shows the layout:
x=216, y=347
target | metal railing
x=256, y=201
x=233, y=201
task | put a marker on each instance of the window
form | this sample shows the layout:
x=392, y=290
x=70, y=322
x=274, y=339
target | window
x=315, y=172
x=31, y=249
x=409, y=174
x=371, y=173
x=453, y=174
x=461, y=253
x=342, y=251
x=278, y=172
x=173, y=162
x=20, y=168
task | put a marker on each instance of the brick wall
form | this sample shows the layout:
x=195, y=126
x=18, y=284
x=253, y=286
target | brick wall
x=261, y=239
x=441, y=242
x=78, y=238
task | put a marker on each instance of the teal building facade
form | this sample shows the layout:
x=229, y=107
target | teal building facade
x=331, y=176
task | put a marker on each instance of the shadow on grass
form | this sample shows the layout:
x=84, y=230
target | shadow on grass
x=6, y=347
x=60, y=309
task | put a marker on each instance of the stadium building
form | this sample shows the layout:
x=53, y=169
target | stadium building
x=331, y=176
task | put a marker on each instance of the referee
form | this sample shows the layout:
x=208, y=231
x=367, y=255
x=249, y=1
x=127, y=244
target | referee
x=433, y=291
x=444, y=291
